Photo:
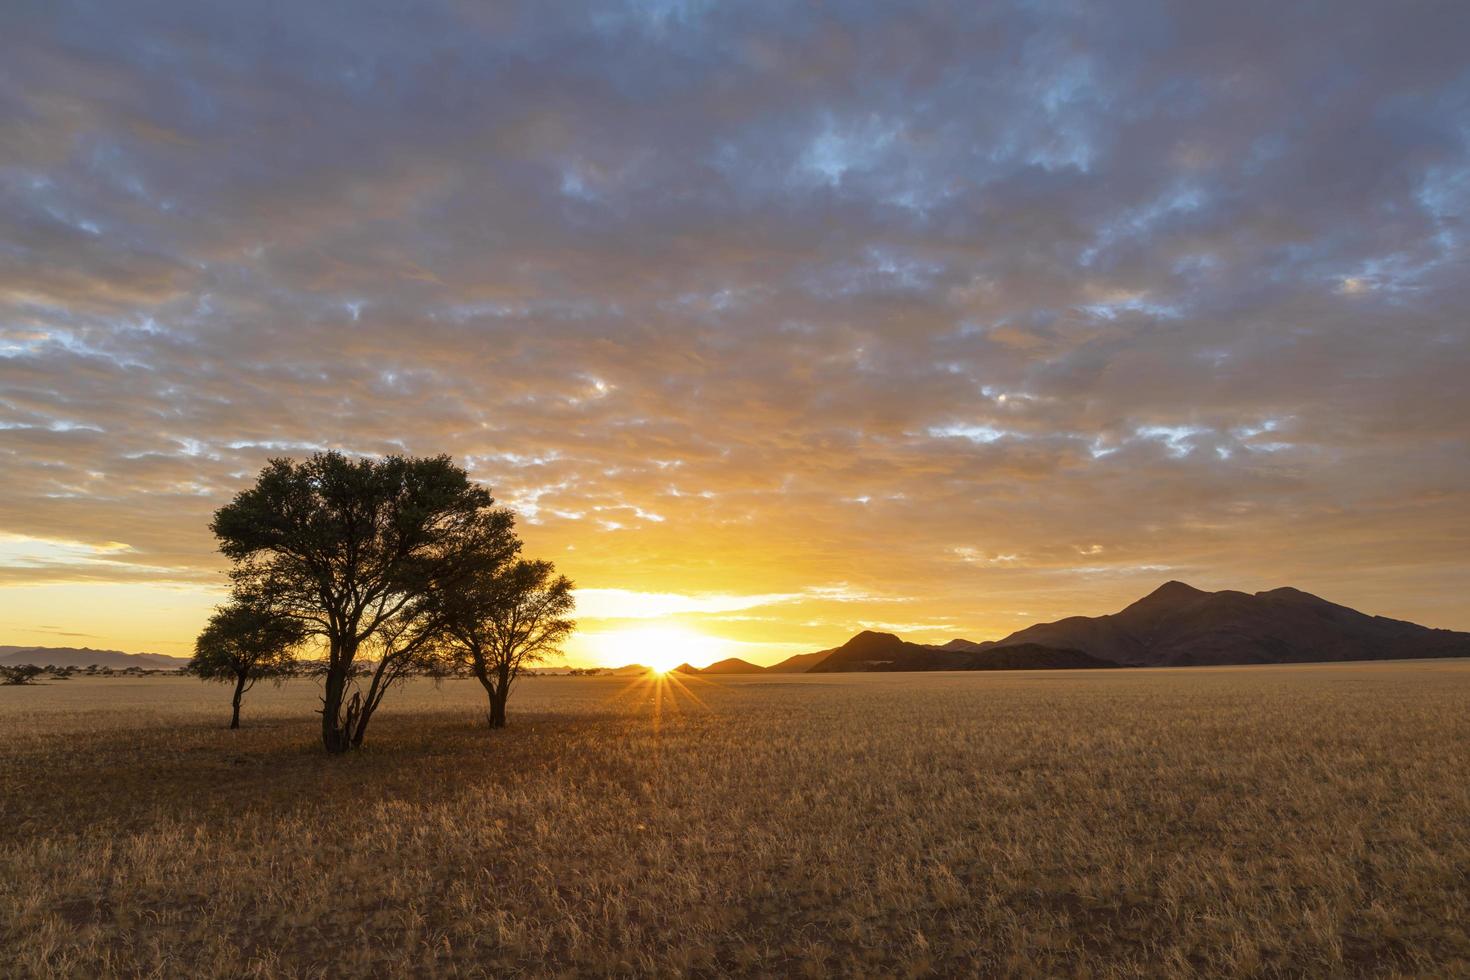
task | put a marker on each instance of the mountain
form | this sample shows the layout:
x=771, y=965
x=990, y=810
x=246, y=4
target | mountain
x=733, y=665
x=801, y=663
x=1178, y=625
x=87, y=657
x=685, y=669
x=872, y=651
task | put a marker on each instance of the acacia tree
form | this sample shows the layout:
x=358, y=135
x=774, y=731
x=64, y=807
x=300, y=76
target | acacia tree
x=353, y=549
x=20, y=674
x=243, y=643
x=499, y=620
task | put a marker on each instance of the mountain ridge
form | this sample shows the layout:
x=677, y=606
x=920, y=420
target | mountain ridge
x=87, y=657
x=875, y=651
x=1178, y=625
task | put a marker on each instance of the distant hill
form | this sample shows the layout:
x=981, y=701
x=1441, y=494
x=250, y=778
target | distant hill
x=1178, y=625
x=733, y=665
x=801, y=663
x=87, y=657
x=872, y=651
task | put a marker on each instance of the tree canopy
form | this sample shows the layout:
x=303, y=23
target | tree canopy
x=499, y=620
x=242, y=643
x=18, y=674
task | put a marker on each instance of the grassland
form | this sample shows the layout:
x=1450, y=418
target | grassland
x=1250, y=821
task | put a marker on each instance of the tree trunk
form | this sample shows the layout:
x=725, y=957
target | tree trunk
x=360, y=711
x=239, y=696
x=482, y=671
x=360, y=717
x=336, y=732
x=335, y=737
x=499, y=694
x=336, y=741
x=495, y=693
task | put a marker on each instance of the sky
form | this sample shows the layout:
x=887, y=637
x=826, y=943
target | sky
x=771, y=321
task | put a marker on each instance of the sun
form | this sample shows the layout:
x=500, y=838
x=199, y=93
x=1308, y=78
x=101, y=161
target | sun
x=660, y=648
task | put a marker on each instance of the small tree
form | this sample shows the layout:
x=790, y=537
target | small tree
x=20, y=674
x=353, y=549
x=243, y=643
x=503, y=619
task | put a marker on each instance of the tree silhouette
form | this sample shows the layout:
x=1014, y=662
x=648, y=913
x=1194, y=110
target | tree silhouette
x=243, y=643
x=353, y=549
x=499, y=620
x=20, y=674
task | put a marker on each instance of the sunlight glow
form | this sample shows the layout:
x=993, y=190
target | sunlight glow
x=661, y=648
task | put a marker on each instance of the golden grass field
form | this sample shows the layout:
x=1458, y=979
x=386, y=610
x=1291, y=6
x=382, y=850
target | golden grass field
x=1248, y=821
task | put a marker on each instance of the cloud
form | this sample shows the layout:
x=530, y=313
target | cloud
x=625, y=604
x=732, y=302
x=53, y=631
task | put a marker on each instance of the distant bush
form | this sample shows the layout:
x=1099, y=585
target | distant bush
x=20, y=674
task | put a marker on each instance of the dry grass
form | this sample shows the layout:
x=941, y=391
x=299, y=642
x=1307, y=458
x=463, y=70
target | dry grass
x=1302, y=820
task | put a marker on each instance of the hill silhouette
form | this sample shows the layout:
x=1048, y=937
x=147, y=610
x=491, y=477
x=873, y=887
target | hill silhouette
x=873, y=651
x=800, y=663
x=1178, y=625
x=733, y=665
x=87, y=657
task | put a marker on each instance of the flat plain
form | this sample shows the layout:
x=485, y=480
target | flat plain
x=1245, y=821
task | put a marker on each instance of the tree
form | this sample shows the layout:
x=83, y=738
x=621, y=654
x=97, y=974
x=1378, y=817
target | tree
x=243, y=643
x=20, y=674
x=500, y=620
x=353, y=549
